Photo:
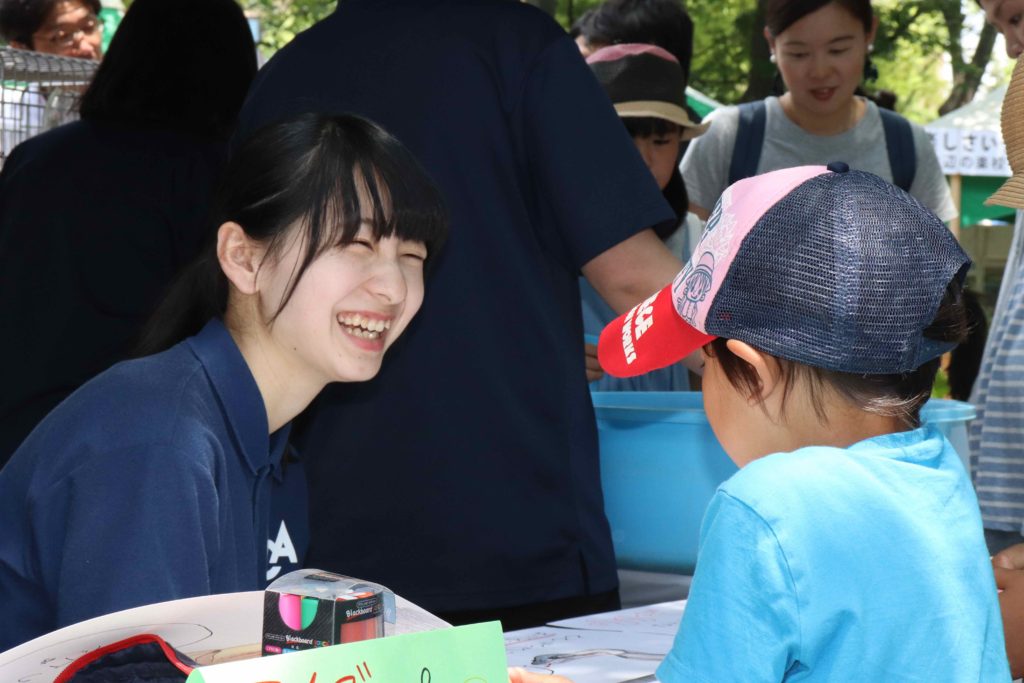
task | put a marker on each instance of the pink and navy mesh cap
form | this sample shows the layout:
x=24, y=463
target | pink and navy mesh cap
x=824, y=266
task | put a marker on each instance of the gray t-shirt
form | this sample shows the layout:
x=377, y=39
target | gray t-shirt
x=705, y=166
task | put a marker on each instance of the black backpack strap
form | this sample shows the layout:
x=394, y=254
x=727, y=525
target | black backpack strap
x=749, y=139
x=899, y=143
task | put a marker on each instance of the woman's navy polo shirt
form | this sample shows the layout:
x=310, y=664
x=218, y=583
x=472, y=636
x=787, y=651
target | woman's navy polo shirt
x=154, y=481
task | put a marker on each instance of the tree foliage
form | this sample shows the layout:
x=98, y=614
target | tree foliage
x=282, y=20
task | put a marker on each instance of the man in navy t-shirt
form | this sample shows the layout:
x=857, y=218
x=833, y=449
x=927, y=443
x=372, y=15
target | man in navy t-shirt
x=465, y=477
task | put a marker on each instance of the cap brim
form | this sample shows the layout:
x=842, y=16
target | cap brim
x=651, y=335
x=1010, y=194
x=662, y=110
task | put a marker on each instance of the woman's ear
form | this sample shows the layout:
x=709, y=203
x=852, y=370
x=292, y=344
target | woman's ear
x=240, y=257
x=771, y=40
x=766, y=367
x=873, y=32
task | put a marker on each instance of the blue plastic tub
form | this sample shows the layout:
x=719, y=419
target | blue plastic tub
x=661, y=463
x=951, y=417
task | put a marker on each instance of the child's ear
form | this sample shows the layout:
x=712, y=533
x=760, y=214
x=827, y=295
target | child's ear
x=766, y=367
x=239, y=256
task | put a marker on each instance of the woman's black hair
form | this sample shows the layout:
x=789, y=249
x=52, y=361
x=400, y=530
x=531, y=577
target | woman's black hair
x=182, y=65
x=781, y=14
x=21, y=19
x=304, y=172
x=900, y=396
x=965, y=360
x=579, y=27
x=664, y=23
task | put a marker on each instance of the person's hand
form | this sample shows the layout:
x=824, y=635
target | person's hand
x=594, y=371
x=1011, y=604
x=1010, y=558
x=517, y=675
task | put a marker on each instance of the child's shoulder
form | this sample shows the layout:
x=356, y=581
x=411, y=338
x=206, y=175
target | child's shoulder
x=806, y=477
x=783, y=465
x=779, y=482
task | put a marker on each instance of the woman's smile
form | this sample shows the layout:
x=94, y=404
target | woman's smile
x=367, y=330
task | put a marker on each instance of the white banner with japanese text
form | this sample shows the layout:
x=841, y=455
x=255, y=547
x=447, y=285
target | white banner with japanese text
x=969, y=152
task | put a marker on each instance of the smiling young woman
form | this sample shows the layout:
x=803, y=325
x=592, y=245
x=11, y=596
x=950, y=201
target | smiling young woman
x=166, y=476
x=821, y=48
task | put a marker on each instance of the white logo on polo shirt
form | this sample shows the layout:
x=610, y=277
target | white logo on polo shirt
x=282, y=546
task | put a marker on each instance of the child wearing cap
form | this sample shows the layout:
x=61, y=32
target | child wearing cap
x=849, y=545
x=647, y=87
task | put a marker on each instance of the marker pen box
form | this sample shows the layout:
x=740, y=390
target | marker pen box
x=311, y=608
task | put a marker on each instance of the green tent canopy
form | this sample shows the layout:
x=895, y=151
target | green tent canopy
x=974, y=191
x=701, y=103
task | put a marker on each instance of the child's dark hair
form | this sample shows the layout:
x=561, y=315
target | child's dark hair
x=303, y=171
x=675, y=192
x=781, y=14
x=900, y=396
x=664, y=23
x=648, y=126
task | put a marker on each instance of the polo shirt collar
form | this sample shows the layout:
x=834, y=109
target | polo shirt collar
x=240, y=398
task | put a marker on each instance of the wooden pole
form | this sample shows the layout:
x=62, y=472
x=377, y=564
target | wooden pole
x=956, y=189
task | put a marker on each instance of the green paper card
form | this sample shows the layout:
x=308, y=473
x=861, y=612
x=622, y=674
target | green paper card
x=465, y=654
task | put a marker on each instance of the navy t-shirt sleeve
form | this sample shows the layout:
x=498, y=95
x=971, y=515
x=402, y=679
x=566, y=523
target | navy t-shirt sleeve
x=742, y=622
x=137, y=528
x=593, y=183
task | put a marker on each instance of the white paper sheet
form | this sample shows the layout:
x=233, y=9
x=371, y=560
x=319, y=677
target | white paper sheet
x=586, y=656
x=661, y=619
x=613, y=647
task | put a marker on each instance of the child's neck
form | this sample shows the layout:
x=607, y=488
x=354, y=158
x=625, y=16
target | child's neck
x=800, y=428
x=845, y=427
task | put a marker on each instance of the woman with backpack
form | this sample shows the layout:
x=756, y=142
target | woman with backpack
x=821, y=49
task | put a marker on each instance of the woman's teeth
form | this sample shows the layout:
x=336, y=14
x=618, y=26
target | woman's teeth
x=366, y=328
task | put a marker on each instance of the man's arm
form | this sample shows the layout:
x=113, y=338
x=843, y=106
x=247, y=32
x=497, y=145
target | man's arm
x=631, y=271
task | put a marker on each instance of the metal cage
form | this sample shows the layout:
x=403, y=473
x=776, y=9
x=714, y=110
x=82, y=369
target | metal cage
x=37, y=92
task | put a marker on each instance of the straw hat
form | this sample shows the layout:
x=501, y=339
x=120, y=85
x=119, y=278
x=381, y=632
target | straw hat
x=1011, y=194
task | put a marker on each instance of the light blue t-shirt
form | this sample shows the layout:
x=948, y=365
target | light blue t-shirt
x=858, y=564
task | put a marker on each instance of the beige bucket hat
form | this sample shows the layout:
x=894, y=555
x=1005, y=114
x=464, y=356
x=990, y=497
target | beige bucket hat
x=1011, y=119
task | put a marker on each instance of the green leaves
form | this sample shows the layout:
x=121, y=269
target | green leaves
x=282, y=20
